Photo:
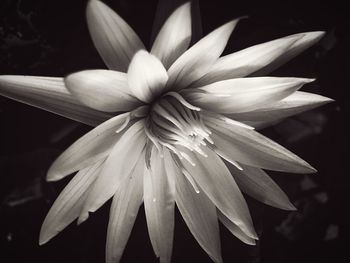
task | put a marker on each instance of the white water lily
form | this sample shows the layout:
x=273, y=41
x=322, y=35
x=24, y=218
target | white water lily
x=165, y=121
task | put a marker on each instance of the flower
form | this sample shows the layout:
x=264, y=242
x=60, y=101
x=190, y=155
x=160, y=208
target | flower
x=166, y=122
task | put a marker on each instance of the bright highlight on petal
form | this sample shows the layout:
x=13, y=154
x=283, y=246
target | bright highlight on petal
x=114, y=39
x=197, y=61
x=125, y=206
x=296, y=103
x=256, y=183
x=250, y=147
x=306, y=40
x=103, y=90
x=146, y=76
x=92, y=147
x=49, y=94
x=119, y=165
x=69, y=203
x=159, y=203
x=174, y=37
x=200, y=216
x=244, y=94
x=214, y=178
x=166, y=122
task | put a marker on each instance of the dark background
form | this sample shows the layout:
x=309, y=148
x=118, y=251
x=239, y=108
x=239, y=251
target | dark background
x=40, y=37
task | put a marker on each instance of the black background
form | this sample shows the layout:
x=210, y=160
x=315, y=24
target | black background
x=40, y=37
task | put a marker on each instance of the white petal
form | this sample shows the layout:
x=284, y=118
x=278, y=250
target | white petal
x=159, y=203
x=146, y=76
x=104, y=90
x=93, y=146
x=199, y=214
x=256, y=183
x=123, y=212
x=246, y=61
x=196, y=61
x=119, y=165
x=294, y=104
x=305, y=41
x=68, y=204
x=49, y=94
x=215, y=179
x=234, y=229
x=243, y=94
x=250, y=147
x=174, y=37
x=113, y=37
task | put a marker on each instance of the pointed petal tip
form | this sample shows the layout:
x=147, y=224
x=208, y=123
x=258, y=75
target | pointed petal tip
x=53, y=174
x=42, y=241
x=308, y=80
x=315, y=35
x=45, y=236
x=291, y=208
x=308, y=169
x=249, y=231
x=82, y=218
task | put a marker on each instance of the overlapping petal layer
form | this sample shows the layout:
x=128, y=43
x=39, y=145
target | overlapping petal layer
x=50, y=94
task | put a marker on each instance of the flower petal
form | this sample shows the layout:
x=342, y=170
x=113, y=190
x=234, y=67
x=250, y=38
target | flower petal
x=93, y=146
x=159, y=206
x=243, y=94
x=197, y=60
x=256, y=183
x=49, y=94
x=104, y=90
x=199, y=214
x=113, y=37
x=244, y=62
x=250, y=147
x=261, y=58
x=234, y=229
x=174, y=37
x=215, y=179
x=146, y=76
x=68, y=204
x=307, y=40
x=123, y=212
x=119, y=165
x=294, y=104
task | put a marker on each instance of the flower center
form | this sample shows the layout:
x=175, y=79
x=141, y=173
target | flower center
x=174, y=123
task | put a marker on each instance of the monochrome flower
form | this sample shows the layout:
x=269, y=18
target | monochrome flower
x=174, y=126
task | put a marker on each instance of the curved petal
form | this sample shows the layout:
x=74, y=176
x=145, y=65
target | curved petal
x=164, y=10
x=243, y=94
x=174, y=37
x=294, y=104
x=259, y=57
x=68, y=204
x=113, y=37
x=49, y=94
x=146, y=76
x=197, y=60
x=234, y=229
x=159, y=203
x=199, y=214
x=104, y=90
x=256, y=183
x=119, y=165
x=250, y=147
x=244, y=62
x=307, y=40
x=215, y=179
x=93, y=146
x=125, y=206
